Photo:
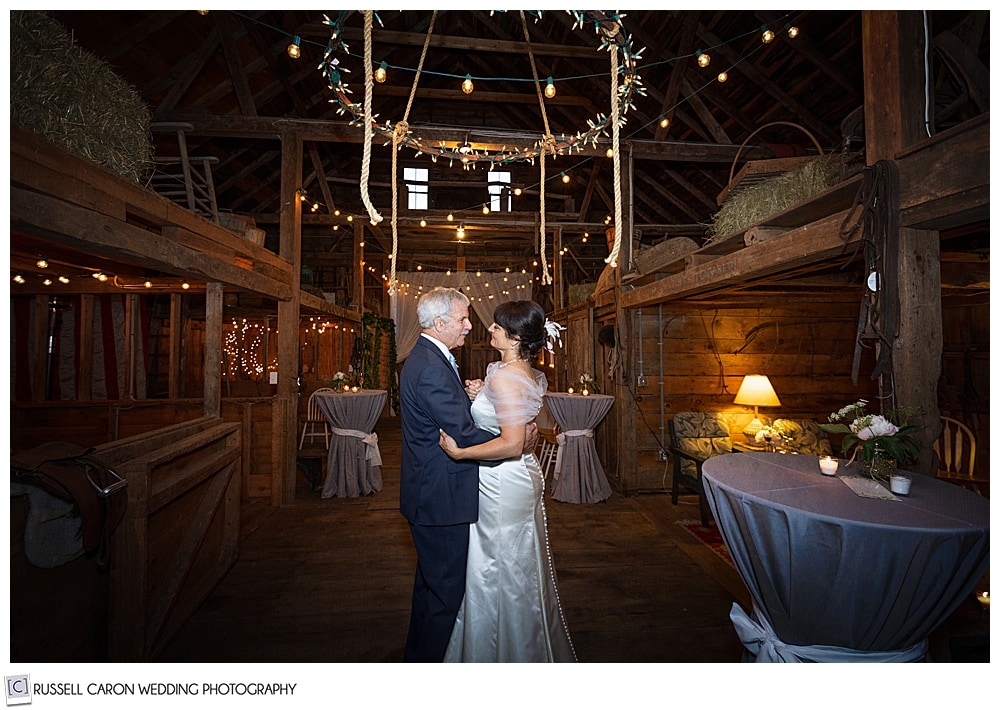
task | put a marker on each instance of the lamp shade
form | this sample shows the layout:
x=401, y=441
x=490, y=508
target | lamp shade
x=756, y=391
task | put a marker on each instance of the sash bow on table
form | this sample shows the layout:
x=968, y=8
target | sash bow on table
x=561, y=438
x=759, y=639
x=373, y=454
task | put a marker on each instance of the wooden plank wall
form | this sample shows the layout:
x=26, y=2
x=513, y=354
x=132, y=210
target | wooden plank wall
x=805, y=347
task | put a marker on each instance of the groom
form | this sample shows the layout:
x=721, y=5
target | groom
x=438, y=496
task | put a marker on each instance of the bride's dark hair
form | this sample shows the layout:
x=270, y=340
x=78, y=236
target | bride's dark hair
x=524, y=320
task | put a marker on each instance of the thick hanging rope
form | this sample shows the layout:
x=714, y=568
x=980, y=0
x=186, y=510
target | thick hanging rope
x=617, y=160
x=373, y=214
x=547, y=145
x=398, y=136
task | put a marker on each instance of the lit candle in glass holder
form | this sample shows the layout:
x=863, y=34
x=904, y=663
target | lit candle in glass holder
x=354, y=389
x=828, y=465
x=570, y=390
x=585, y=392
x=347, y=388
x=984, y=598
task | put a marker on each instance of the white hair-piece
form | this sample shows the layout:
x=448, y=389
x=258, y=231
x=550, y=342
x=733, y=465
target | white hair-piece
x=553, y=330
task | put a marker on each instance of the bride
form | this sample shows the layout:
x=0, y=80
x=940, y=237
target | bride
x=511, y=611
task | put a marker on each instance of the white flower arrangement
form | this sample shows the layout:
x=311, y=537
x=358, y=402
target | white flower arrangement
x=587, y=382
x=339, y=378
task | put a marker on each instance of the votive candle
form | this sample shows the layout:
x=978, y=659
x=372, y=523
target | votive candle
x=828, y=465
x=570, y=390
x=585, y=392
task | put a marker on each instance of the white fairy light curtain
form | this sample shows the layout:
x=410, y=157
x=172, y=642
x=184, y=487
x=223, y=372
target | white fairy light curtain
x=485, y=291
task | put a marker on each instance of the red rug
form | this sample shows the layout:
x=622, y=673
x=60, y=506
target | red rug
x=709, y=536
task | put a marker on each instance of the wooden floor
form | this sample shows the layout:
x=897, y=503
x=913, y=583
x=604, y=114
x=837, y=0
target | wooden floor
x=322, y=581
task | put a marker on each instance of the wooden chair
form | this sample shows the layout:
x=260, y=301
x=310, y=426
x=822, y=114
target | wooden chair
x=547, y=446
x=694, y=438
x=955, y=449
x=315, y=425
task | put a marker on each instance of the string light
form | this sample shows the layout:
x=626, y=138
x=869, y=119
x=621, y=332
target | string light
x=467, y=84
x=63, y=280
x=423, y=223
x=380, y=72
x=766, y=35
x=723, y=77
x=517, y=191
x=486, y=209
x=610, y=152
x=42, y=264
x=451, y=217
x=565, y=178
x=550, y=89
x=703, y=59
x=793, y=31
x=294, y=49
x=664, y=121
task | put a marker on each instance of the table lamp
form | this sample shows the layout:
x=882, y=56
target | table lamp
x=756, y=390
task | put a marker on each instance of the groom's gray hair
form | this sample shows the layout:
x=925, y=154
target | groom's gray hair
x=437, y=303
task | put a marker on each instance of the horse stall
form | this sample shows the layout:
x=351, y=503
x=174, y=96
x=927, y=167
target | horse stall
x=178, y=536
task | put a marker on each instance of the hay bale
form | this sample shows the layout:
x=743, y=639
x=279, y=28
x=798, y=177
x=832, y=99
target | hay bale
x=579, y=292
x=72, y=98
x=769, y=197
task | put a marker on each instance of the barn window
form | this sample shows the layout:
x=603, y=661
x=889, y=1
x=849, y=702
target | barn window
x=499, y=187
x=416, y=188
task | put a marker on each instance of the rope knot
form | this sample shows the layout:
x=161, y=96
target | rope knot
x=399, y=132
x=548, y=144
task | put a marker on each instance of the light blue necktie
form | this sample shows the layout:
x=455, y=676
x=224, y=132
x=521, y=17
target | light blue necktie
x=451, y=358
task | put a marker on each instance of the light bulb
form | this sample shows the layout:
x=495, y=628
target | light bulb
x=467, y=84
x=294, y=51
x=380, y=72
x=703, y=59
x=517, y=192
x=461, y=232
x=767, y=35
x=350, y=218
x=550, y=89
x=722, y=77
x=565, y=178
x=486, y=209
x=451, y=217
x=664, y=122
x=202, y=12
x=423, y=223
x=793, y=32
x=42, y=264
x=610, y=152
x=63, y=280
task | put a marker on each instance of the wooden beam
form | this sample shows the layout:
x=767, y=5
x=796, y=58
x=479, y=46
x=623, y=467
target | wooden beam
x=228, y=33
x=809, y=244
x=93, y=233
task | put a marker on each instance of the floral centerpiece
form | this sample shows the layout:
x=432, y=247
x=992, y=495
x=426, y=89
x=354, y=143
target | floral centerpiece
x=875, y=437
x=772, y=435
x=587, y=382
x=339, y=380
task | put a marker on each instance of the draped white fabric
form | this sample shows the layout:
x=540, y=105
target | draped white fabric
x=485, y=292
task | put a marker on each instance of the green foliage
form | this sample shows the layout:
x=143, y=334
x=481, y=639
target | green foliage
x=373, y=328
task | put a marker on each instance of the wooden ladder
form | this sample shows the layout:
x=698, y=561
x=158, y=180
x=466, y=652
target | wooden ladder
x=184, y=179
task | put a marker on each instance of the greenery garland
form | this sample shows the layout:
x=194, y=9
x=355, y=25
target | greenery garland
x=373, y=328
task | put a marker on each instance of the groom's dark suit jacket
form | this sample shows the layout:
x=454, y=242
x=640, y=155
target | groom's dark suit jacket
x=434, y=489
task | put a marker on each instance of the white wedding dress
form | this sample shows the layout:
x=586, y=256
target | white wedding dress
x=511, y=611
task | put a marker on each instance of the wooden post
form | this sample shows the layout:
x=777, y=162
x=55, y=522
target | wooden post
x=213, y=349
x=892, y=45
x=85, y=347
x=176, y=333
x=284, y=417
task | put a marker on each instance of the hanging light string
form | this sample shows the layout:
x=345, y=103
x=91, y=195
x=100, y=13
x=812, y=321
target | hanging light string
x=373, y=214
x=548, y=144
x=566, y=144
x=398, y=137
x=617, y=161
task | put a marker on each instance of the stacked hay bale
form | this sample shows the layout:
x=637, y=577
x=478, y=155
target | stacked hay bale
x=754, y=204
x=72, y=98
